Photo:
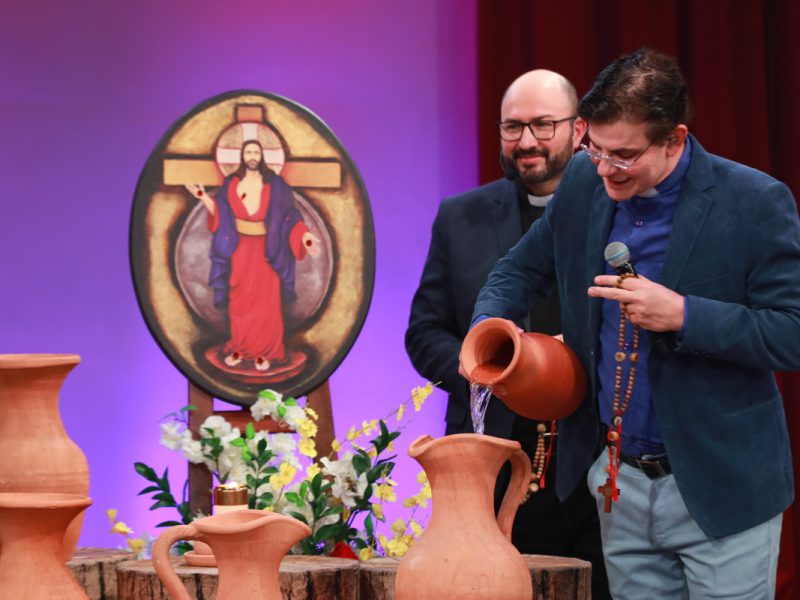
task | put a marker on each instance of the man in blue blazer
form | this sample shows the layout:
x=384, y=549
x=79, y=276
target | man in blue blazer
x=538, y=133
x=693, y=460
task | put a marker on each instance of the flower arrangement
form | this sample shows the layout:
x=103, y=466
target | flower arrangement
x=341, y=497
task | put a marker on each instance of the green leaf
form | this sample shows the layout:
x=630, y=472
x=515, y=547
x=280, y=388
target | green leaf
x=292, y=497
x=361, y=462
x=290, y=401
x=188, y=407
x=250, y=431
x=369, y=526
x=268, y=394
x=303, y=491
x=298, y=516
x=261, y=446
x=169, y=524
x=281, y=411
x=162, y=504
x=332, y=532
x=238, y=442
x=145, y=471
x=360, y=544
x=246, y=455
x=147, y=490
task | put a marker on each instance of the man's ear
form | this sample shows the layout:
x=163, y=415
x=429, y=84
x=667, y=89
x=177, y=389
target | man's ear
x=578, y=131
x=677, y=139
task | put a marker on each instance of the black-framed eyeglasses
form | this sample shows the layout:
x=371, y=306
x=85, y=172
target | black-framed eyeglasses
x=620, y=163
x=541, y=129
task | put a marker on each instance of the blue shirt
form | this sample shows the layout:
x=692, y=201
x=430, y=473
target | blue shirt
x=642, y=224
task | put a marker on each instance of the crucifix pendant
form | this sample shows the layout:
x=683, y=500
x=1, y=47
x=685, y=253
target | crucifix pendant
x=607, y=491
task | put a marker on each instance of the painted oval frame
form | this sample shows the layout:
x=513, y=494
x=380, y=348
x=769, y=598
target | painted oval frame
x=169, y=243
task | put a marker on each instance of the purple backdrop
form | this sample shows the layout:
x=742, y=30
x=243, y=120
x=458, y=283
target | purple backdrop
x=87, y=88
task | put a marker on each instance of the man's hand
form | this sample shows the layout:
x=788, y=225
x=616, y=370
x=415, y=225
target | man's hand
x=311, y=243
x=647, y=304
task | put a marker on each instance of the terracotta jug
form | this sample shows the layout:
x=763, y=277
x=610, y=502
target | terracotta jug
x=465, y=552
x=32, y=530
x=535, y=375
x=248, y=546
x=36, y=454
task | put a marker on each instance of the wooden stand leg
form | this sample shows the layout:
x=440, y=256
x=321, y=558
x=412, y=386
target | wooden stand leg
x=320, y=400
x=200, y=479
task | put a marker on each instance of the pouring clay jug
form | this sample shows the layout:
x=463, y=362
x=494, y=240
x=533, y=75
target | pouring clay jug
x=32, y=530
x=248, y=545
x=465, y=551
x=535, y=375
x=36, y=454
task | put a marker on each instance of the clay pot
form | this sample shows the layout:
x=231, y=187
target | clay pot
x=32, y=530
x=535, y=375
x=248, y=546
x=36, y=454
x=465, y=552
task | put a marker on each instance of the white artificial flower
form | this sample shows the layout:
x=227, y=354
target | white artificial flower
x=293, y=414
x=217, y=424
x=172, y=435
x=349, y=490
x=283, y=444
x=229, y=459
x=339, y=468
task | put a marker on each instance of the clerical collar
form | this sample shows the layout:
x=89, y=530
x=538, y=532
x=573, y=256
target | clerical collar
x=539, y=201
x=675, y=179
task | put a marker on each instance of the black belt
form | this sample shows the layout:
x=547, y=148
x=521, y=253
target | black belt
x=652, y=466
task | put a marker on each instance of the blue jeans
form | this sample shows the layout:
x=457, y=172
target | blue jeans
x=654, y=550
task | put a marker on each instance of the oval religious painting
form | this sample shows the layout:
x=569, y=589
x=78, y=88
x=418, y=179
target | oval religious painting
x=252, y=247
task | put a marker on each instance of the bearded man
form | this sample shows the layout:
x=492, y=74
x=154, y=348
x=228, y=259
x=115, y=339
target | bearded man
x=539, y=132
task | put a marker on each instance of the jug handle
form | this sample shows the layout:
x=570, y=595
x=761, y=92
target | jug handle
x=162, y=563
x=517, y=488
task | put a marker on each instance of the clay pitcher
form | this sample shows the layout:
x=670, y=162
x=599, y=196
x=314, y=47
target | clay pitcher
x=248, y=545
x=535, y=375
x=36, y=454
x=32, y=530
x=465, y=552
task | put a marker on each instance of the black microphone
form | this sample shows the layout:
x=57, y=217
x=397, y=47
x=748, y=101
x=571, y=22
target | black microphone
x=618, y=256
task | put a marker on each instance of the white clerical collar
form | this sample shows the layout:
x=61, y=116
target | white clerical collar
x=539, y=201
x=651, y=193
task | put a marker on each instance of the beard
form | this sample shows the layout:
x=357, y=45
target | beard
x=552, y=167
x=252, y=165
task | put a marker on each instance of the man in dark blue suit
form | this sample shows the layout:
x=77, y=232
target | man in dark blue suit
x=695, y=467
x=539, y=133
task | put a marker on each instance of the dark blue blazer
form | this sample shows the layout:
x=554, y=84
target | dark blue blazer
x=470, y=233
x=734, y=252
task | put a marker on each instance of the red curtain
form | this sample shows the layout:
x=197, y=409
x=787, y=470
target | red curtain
x=743, y=67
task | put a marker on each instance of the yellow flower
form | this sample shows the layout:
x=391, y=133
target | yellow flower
x=366, y=427
x=377, y=510
x=422, y=477
x=425, y=492
x=420, y=394
x=307, y=447
x=351, y=434
x=385, y=492
x=382, y=539
x=306, y=427
x=120, y=527
x=400, y=411
x=312, y=471
x=336, y=446
x=396, y=548
x=366, y=553
x=416, y=528
x=390, y=447
x=312, y=413
x=398, y=527
x=111, y=513
x=410, y=502
x=345, y=513
x=136, y=545
x=372, y=452
x=283, y=477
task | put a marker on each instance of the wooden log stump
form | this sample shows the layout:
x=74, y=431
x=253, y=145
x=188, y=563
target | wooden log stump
x=301, y=577
x=553, y=578
x=95, y=569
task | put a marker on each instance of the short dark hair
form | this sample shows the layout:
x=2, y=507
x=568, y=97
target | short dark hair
x=646, y=87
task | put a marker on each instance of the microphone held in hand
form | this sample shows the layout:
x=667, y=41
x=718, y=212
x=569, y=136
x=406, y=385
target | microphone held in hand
x=618, y=256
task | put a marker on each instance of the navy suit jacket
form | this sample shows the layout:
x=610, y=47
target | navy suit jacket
x=470, y=233
x=734, y=253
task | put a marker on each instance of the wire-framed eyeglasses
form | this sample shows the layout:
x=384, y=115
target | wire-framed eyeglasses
x=541, y=129
x=619, y=163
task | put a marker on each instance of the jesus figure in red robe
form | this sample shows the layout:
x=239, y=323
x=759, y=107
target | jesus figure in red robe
x=258, y=234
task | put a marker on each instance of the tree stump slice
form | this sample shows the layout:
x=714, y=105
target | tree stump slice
x=301, y=578
x=95, y=569
x=376, y=578
x=553, y=578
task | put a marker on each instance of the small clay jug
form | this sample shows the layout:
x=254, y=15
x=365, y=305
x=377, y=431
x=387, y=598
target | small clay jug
x=465, y=552
x=248, y=545
x=535, y=375
x=32, y=530
x=36, y=454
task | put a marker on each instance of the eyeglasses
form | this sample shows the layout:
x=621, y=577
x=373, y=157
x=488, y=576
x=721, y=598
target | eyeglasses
x=541, y=129
x=597, y=156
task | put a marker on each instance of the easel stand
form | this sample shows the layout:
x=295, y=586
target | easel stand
x=200, y=479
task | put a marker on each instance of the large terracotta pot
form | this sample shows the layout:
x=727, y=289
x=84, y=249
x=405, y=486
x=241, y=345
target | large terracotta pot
x=465, y=552
x=36, y=454
x=535, y=375
x=248, y=546
x=32, y=530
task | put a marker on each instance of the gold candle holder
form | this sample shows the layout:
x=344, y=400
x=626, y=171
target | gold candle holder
x=230, y=496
